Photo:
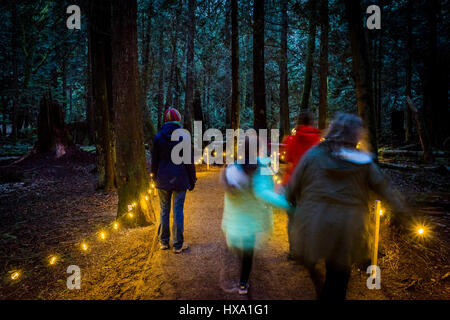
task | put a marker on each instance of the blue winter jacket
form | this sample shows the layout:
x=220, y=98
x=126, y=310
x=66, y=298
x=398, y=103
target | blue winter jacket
x=170, y=176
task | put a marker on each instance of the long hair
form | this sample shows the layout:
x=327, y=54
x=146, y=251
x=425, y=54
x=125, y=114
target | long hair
x=249, y=166
x=344, y=131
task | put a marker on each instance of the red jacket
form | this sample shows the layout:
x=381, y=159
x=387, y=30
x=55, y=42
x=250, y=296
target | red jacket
x=296, y=146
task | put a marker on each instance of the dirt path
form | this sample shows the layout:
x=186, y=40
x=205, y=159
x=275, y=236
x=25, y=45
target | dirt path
x=124, y=267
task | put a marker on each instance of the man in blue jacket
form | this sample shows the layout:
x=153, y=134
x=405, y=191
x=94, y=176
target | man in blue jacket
x=171, y=180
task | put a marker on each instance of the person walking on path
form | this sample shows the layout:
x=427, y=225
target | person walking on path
x=172, y=180
x=296, y=145
x=330, y=188
x=302, y=140
x=246, y=213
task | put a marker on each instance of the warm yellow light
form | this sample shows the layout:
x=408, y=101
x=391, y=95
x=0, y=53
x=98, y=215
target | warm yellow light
x=134, y=204
x=146, y=198
x=116, y=226
x=240, y=157
x=52, y=260
x=381, y=212
x=358, y=146
x=102, y=235
x=130, y=207
x=153, y=185
x=84, y=246
x=15, y=275
x=130, y=215
x=224, y=154
x=321, y=139
x=151, y=174
x=420, y=231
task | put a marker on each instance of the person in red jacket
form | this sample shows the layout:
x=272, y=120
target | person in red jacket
x=302, y=140
x=296, y=145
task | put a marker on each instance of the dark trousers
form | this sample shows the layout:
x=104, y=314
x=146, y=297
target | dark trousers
x=245, y=254
x=246, y=264
x=336, y=281
x=178, y=217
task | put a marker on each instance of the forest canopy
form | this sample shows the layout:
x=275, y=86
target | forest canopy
x=185, y=55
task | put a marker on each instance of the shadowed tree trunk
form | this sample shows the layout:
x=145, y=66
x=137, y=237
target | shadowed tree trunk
x=90, y=121
x=431, y=75
x=160, y=93
x=361, y=70
x=323, y=68
x=149, y=130
x=52, y=131
x=423, y=135
x=189, y=97
x=173, y=65
x=235, y=98
x=102, y=96
x=259, y=82
x=304, y=105
x=132, y=177
x=408, y=89
x=284, y=90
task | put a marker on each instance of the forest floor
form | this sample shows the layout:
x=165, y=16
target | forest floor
x=55, y=206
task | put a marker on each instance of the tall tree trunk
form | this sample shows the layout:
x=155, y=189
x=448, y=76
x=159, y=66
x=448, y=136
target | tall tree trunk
x=259, y=82
x=90, y=121
x=149, y=129
x=304, y=105
x=101, y=91
x=132, y=175
x=189, y=97
x=430, y=73
x=423, y=135
x=408, y=87
x=173, y=65
x=16, y=94
x=235, y=96
x=362, y=70
x=160, y=94
x=323, y=68
x=284, y=89
x=379, y=66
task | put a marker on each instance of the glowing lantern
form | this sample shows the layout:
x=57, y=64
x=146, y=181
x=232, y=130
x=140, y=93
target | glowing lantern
x=52, y=260
x=102, y=235
x=15, y=275
x=116, y=226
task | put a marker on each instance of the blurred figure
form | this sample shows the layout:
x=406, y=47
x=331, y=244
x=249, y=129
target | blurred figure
x=246, y=213
x=330, y=188
x=296, y=145
x=302, y=140
x=172, y=181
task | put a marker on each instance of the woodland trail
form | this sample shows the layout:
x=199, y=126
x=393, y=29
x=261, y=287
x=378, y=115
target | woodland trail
x=124, y=268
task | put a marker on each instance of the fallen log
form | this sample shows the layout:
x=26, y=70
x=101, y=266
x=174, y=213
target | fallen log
x=410, y=152
x=405, y=166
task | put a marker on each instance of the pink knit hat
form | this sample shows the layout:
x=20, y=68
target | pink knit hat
x=172, y=114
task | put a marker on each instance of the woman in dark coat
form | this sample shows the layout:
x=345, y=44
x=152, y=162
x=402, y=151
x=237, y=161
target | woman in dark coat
x=330, y=188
